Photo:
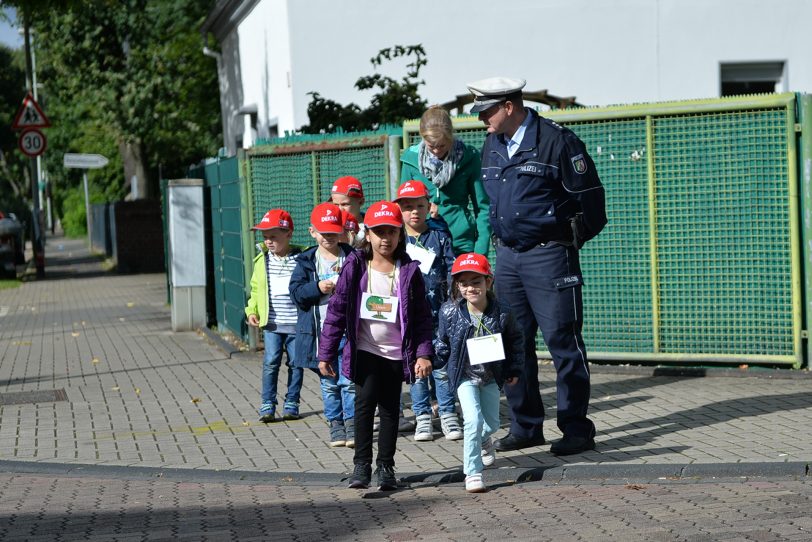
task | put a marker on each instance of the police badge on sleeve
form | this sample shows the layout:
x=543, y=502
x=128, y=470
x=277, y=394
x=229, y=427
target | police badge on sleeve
x=579, y=164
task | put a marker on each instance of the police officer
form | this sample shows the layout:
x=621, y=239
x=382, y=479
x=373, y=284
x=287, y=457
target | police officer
x=546, y=200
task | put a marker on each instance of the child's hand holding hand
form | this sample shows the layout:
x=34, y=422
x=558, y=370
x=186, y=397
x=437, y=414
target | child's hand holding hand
x=326, y=369
x=253, y=320
x=422, y=368
x=327, y=286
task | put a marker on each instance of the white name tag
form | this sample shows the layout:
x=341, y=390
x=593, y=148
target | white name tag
x=380, y=308
x=485, y=349
x=280, y=284
x=425, y=257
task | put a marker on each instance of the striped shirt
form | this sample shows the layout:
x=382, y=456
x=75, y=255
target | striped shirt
x=281, y=309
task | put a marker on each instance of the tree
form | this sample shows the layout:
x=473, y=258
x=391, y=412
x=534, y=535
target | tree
x=394, y=102
x=125, y=79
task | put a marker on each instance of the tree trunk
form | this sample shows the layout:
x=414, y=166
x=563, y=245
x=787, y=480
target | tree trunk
x=135, y=170
x=7, y=174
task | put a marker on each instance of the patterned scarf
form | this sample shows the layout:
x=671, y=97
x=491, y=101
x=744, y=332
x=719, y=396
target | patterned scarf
x=440, y=172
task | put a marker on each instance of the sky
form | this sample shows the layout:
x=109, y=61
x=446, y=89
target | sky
x=8, y=34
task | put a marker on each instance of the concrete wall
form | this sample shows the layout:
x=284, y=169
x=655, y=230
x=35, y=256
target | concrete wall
x=624, y=51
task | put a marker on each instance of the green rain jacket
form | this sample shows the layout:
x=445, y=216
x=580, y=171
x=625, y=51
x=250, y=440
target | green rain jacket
x=462, y=203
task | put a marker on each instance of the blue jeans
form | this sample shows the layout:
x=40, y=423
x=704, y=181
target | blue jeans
x=421, y=394
x=274, y=343
x=480, y=413
x=338, y=394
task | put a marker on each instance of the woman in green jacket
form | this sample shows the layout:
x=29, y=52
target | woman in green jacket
x=451, y=170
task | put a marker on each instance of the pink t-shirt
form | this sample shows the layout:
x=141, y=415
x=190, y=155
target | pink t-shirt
x=381, y=338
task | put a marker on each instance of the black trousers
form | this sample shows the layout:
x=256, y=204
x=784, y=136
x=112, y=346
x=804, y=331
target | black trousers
x=377, y=383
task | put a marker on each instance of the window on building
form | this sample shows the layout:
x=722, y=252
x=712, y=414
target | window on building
x=752, y=77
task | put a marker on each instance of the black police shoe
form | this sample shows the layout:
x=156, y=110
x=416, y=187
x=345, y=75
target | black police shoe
x=361, y=476
x=511, y=442
x=570, y=445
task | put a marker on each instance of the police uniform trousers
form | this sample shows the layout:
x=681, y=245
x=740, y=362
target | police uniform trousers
x=540, y=288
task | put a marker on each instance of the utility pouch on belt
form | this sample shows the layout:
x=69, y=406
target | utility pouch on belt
x=578, y=230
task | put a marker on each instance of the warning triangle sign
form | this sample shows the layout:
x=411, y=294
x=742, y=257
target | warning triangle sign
x=30, y=115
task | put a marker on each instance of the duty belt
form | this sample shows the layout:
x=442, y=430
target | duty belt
x=499, y=243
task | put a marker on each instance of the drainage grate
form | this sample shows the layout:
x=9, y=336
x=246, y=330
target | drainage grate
x=30, y=397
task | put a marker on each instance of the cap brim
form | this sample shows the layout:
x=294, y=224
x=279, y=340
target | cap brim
x=339, y=229
x=386, y=223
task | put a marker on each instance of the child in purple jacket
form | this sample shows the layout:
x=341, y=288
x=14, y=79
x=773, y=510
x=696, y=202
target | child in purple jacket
x=380, y=302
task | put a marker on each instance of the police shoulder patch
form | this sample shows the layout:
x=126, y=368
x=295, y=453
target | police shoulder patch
x=578, y=163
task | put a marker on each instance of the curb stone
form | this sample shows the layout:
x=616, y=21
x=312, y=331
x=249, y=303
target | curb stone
x=570, y=474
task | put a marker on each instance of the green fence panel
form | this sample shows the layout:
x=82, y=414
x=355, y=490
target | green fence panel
x=723, y=222
x=700, y=261
x=296, y=176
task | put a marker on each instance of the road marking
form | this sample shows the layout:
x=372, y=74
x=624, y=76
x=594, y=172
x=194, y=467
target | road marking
x=3, y=311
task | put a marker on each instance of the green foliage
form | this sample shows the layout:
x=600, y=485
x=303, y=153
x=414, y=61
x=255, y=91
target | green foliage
x=123, y=73
x=74, y=218
x=13, y=164
x=394, y=101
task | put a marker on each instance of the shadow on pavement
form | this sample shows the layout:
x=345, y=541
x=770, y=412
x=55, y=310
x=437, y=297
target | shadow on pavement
x=704, y=416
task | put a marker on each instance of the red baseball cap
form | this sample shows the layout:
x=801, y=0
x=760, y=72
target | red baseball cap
x=383, y=213
x=471, y=261
x=349, y=186
x=275, y=219
x=326, y=218
x=350, y=222
x=412, y=189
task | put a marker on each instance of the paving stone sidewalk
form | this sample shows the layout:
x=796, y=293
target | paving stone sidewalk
x=91, y=373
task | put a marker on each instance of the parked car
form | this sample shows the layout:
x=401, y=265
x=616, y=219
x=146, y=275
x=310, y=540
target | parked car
x=11, y=244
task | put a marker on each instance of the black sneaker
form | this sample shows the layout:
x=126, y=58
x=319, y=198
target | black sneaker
x=386, y=478
x=361, y=476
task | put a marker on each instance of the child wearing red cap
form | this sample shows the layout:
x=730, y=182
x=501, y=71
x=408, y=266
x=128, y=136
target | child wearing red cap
x=271, y=309
x=481, y=346
x=380, y=303
x=311, y=286
x=429, y=242
x=348, y=194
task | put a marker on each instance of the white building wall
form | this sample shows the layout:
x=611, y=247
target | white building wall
x=265, y=66
x=624, y=51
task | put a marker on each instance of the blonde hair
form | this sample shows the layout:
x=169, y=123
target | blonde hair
x=435, y=126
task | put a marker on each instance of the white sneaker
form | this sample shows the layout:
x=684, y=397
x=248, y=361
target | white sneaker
x=451, y=426
x=423, y=432
x=488, y=452
x=474, y=483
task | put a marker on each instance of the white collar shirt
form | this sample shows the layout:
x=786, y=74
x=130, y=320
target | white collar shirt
x=512, y=143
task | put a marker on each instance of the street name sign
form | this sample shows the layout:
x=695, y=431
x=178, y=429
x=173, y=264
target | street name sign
x=84, y=161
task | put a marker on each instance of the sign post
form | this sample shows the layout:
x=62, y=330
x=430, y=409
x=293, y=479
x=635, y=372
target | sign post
x=85, y=162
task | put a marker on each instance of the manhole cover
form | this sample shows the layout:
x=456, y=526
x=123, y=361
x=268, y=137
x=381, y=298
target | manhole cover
x=30, y=397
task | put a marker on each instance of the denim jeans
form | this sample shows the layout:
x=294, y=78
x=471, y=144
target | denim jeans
x=421, y=393
x=274, y=343
x=480, y=413
x=338, y=394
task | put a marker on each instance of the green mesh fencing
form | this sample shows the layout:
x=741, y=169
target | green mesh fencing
x=700, y=259
x=297, y=176
x=723, y=223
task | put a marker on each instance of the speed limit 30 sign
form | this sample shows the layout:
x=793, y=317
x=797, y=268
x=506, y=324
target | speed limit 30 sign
x=32, y=142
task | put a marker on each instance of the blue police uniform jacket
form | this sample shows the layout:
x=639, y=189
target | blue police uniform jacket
x=549, y=179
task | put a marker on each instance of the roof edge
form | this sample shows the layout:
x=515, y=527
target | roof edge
x=225, y=16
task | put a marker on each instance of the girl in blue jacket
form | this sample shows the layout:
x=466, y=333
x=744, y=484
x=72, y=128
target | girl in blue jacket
x=481, y=347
